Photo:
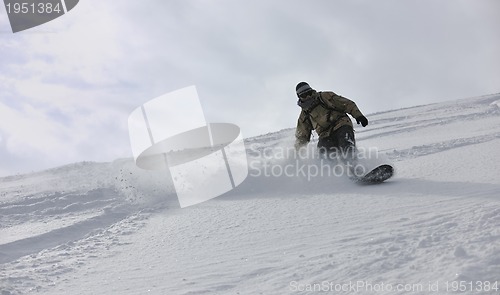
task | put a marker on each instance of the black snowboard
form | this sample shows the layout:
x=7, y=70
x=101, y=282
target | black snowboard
x=377, y=175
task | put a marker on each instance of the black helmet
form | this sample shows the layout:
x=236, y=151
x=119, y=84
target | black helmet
x=303, y=88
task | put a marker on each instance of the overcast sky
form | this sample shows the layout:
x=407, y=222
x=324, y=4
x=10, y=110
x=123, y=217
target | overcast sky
x=67, y=87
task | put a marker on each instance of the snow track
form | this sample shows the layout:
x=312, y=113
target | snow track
x=110, y=228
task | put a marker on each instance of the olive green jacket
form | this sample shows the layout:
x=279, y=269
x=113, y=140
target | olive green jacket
x=329, y=115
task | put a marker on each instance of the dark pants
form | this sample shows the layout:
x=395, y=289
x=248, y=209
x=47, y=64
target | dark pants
x=340, y=144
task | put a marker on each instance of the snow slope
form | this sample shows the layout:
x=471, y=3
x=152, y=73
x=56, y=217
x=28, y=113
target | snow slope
x=111, y=228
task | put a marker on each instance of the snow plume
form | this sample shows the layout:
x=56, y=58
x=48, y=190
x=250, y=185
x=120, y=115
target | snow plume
x=279, y=166
x=143, y=187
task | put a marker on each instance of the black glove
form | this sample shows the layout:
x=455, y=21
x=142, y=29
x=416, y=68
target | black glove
x=363, y=120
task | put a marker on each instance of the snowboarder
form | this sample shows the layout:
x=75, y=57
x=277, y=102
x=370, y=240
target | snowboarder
x=326, y=113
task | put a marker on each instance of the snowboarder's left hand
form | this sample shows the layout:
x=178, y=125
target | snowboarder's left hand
x=363, y=120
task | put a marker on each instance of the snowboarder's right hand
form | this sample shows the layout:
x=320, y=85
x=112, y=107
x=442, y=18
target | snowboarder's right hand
x=299, y=144
x=363, y=120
